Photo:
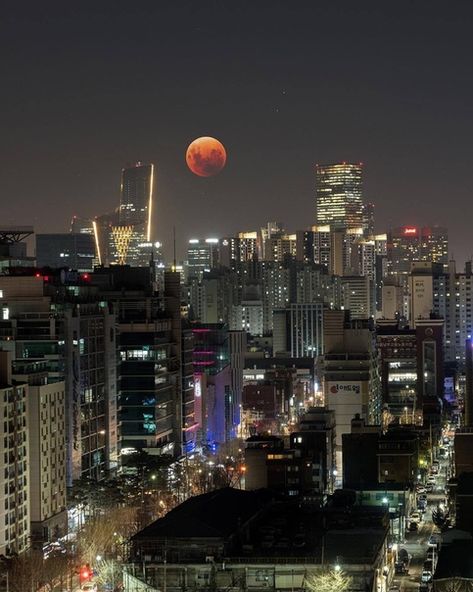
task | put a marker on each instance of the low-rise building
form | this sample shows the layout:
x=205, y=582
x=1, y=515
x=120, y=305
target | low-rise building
x=239, y=540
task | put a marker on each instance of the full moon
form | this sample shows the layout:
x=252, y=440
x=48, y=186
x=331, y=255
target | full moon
x=206, y=156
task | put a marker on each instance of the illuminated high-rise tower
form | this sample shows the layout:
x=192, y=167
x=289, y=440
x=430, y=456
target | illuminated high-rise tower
x=135, y=212
x=339, y=196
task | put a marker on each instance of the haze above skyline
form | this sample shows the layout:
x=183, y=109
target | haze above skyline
x=89, y=88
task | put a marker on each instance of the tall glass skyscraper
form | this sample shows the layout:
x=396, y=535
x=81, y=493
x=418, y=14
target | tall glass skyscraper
x=339, y=195
x=135, y=213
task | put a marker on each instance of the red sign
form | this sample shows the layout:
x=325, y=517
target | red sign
x=410, y=230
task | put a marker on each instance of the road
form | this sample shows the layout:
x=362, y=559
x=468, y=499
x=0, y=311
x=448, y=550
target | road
x=416, y=542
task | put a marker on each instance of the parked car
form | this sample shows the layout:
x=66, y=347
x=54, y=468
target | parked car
x=420, y=489
x=432, y=553
x=431, y=479
x=429, y=487
x=415, y=517
x=429, y=565
x=413, y=527
x=426, y=577
x=400, y=568
x=403, y=556
x=434, y=540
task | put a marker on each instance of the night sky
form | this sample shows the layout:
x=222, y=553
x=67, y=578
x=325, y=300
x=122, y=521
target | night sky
x=88, y=87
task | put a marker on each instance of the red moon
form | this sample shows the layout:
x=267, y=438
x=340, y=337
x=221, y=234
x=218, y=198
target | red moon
x=206, y=156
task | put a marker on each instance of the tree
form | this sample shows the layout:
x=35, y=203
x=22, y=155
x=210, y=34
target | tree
x=103, y=535
x=327, y=580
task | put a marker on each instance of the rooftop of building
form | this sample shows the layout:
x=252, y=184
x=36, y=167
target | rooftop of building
x=215, y=514
x=454, y=561
x=465, y=484
x=277, y=530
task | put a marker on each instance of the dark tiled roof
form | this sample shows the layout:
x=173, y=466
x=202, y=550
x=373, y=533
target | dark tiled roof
x=455, y=560
x=215, y=514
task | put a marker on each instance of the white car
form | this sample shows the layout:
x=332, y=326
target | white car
x=415, y=517
x=431, y=479
x=89, y=587
x=426, y=577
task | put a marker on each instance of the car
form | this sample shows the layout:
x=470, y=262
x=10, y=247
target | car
x=404, y=556
x=422, y=496
x=420, y=489
x=89, y=587
x=400, y=568
x=426, y=577
x=434, y=540
x=429, y=565
x=394, y=587
x=413, y=527
x=429, y=487
x=432, y=553
x=431, y=479
x=415, y=517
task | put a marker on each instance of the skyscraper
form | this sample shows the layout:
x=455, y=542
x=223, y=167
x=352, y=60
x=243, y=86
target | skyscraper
x=339, y=196
x=415, y=243
x=202, y=255
x=135, y=213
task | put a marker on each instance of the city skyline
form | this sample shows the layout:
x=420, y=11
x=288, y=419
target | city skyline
x=282, y=101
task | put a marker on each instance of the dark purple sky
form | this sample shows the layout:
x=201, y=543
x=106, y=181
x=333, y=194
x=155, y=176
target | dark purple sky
x=88, y=87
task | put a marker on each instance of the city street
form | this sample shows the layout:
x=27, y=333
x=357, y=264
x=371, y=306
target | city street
x=416, y=543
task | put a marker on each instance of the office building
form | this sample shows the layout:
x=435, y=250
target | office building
x=339, y=195
x=421, y=289
x=411, y=366
x=305, y=329
x=298, y=330
x=82, y=225
x=71, y=250
x=315, y=437
x=133, y=237
x=392, y=304
x=87, y=329
x=350, y=375
x=104, y=239
x=216, y=401
x=186, y=425
x=368, y=219
x=202, y=255
x=414, y=243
